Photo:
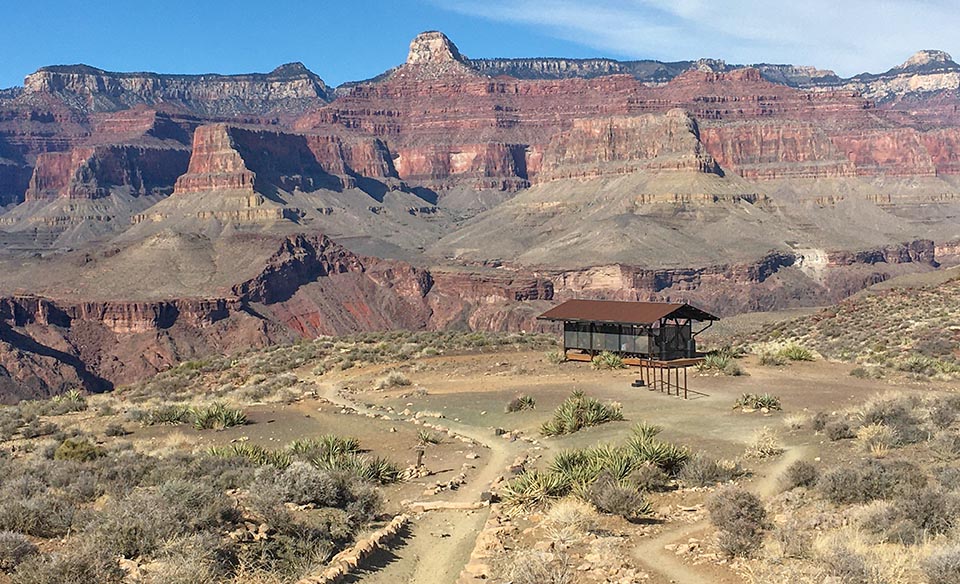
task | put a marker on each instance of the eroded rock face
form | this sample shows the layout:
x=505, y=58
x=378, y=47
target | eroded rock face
x=290, y=86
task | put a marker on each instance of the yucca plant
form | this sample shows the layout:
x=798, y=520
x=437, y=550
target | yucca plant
x=326, y=444
x=520, y=403
x=796, y=352
x=425, y=437
x=646, y=431
x=579, y=411
x=607, y=360
x=217, y=416
x=533, y=489
x=252, y=452
x=669, y=457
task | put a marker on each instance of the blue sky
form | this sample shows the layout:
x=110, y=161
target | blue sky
x=344, y=41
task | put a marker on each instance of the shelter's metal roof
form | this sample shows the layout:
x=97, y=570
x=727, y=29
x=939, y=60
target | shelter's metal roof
x=615, y=311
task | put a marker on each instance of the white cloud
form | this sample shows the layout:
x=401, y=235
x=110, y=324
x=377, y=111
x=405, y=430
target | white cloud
x=849, y=36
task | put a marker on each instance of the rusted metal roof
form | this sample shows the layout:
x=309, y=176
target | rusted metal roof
x=614, y=311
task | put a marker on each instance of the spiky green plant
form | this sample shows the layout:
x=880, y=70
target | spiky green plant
x=796, y=352
x=752, y=401
x=217, y=416
x=534, y=489
x=324, y=445
x=556, y=357
x=252, y=452
x=426, y=437
x=669, y=457
x=579, y=411
x=607, y=360
x=646, y=431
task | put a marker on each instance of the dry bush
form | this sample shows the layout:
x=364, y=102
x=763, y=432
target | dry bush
x=869, y=480
x=838, y=430
x=916, y=515
x=740, y=517
x=799, y=474
x=535, y=567
x=569, y=520
x=612, y=497
x=795, y=421
x=876, y=439
x=14, y=548
x=392, y=379
x=703, y=471
x=78, y=563
x=649, y=477
x=819, y=421
x=943, y=565
x=764, y=444
x=794, y=541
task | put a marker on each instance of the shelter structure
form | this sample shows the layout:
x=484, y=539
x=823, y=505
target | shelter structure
x=658, y=337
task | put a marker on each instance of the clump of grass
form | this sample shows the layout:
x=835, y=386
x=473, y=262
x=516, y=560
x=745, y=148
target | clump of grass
x=876, y=439
x=763, y=401
x=607, y=360
x=217, y=416
x=579, y=411
x=722, y=362
x=943, y=565
x=555, y=357
x=794, y=352
x=764, y=444
x=520, y=403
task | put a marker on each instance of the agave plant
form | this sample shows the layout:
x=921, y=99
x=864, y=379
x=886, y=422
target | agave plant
x=217, y=416
x=579, y=411
x=646, y=431
x=607, y=360
x=252, y=452
x=426, y=437
x=533, y=489
x=669, y=457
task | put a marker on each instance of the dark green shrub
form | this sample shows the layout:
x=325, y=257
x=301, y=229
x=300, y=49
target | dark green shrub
x=740, y=517
x=77, y=449
x=799, y=474
x=579, y=411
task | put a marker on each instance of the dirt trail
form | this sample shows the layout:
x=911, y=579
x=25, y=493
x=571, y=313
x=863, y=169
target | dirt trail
x=440, y=542
x=652, y=553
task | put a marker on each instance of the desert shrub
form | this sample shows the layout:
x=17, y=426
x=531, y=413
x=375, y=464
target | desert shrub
x=910, y=518
x=138, y=524
x=35, y=428
x=876, y=439
x=165, y=414
x=946, y=444
x=302, y=483
x=217, y=416
x=795, y=352
x=76, y=449
x=819, y=421
x=794, y=541
x=897, y=414
x=703, y=471
x=764, y=401
x=81, y=563
x=28, y=506
x=534, y=567
x=14, y=548
x=942, y=415
x=772, y=359
x=115, y=429
x=943, y=565
x=607, y=360
x=649, y=477
x=555, y=357
x=844, y=564
x=799, y=474
x=520, y=403
x=869, y=480
x=426, y=437
x=200, y=557
x=572, y=515
x=579, y=411
x=838, y=430
x=610, y=496
x=949, y=478
x=392, y=379
x=764, y=443
x=740, y=516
